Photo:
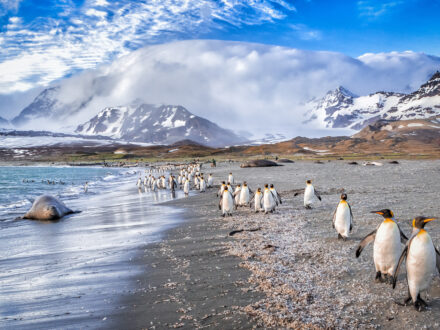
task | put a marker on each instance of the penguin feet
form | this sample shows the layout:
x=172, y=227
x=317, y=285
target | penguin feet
x=420, y=304
x=379, y=278
x=308, y=207
x=339, y=236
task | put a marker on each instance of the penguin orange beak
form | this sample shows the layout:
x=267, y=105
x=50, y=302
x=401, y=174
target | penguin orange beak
x=428, y=220
x=377, y=212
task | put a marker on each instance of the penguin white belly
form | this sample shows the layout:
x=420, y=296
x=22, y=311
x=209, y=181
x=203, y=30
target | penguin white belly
x=202, y=185
x=420, y=264
x=268, y=201
x=237, y=196
x=244, y=196
x=227, y=203
x=309, y=195
x=258, y=202
x=387, y=247
x=186, y=187
x=342, y=219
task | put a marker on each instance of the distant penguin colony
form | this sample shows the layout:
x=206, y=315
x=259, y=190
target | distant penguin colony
x=391, y=247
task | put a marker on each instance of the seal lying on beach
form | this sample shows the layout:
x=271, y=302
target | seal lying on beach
x=259, y=163
x=48, y=207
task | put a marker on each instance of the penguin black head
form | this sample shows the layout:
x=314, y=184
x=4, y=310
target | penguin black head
x=226, y=188
x=271, y=185
x=344, y=197
x=223, y=182
x=420, y=222
x=266, y=186
x=239, y=185
x=309, y=181
x=386, y=213
x=259, y=189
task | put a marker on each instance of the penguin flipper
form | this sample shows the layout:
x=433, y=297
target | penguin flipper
x=334, y=217
x=402, y=257
x=318, y=195
x=220, y=203
x=437, y=259
x=351, y=217
x=367, y=240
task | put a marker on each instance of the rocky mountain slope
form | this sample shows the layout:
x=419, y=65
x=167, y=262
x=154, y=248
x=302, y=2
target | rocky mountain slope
x=50, y=104
x=341, y=108
x=163, y=124
x=3, y=122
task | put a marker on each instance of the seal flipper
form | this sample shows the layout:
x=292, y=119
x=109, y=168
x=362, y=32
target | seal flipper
x=367, y=240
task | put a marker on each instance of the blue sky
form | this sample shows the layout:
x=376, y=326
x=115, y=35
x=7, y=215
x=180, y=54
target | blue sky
x=45, y=40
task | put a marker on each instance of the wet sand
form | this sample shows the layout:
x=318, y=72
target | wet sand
x=293, y=272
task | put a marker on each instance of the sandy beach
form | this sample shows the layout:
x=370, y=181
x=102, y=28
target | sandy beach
x=293, y=272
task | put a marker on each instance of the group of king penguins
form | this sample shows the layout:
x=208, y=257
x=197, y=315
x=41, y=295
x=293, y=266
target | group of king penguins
x=263, y=200
x=421, y=256
x=189, y=177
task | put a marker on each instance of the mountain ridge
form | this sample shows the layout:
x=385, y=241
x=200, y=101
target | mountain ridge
x=340, y=108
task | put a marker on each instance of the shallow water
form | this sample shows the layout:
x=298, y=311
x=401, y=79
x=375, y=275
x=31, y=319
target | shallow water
x=69, y=274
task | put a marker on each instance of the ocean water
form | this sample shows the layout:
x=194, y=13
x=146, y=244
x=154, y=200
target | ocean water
x=70, y=273
x=21, y=185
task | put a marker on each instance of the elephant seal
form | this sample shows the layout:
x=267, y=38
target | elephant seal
x=48, y=207
x=259, y=163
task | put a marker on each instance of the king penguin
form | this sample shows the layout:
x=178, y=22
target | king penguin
x=422, y=259
x=310, y=194
x=226, y=202
x=387, y=248
x=343, y=218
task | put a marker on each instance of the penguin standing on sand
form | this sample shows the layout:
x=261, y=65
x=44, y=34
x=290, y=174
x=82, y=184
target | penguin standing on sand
x=86, y=187
x=139, y=183
x=276, y=194
x=310, y=195
x=258, y=198
x=186, y=187
x=269, y=201
x=387, y=248
x=237, y=195
x=343, y=218
x=231, y=178
x=422, y=259
x=210, y=181
x=245, y=194
x=226, y=202
x=221, y=189
x=202, y=184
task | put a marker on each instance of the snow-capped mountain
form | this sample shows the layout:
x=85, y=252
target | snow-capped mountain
x=162, y=124
x=50, y=104
x=4, y=123
x=341, y=108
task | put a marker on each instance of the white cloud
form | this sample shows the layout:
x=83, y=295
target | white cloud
x=306, y=33
x=101, y=31
x=9, y=5
x=97, y=13
x=373, y=9
x=253, y=87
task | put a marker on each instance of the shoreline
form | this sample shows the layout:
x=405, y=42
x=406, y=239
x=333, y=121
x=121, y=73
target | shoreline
x=189, y=280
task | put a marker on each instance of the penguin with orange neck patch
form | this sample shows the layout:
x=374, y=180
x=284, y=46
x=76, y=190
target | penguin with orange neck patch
x=388, y=239
x=422, y=262
x=343, y=218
